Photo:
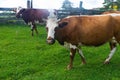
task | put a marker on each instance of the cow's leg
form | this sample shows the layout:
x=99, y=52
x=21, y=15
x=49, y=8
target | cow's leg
x=35, y=28
x=32, y=29
x=82, y=56
x=72, y=54
x=113, y=44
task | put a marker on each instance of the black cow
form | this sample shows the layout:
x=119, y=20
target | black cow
x=31, y=16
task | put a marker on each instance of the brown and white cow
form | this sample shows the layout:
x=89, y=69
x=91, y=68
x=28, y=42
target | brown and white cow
x=93, y=30
x=31, y=16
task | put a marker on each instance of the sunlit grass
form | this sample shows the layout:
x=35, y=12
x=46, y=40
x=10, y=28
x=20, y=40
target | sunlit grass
x=23, y=57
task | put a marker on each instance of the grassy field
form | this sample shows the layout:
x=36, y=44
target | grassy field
x=23, y=57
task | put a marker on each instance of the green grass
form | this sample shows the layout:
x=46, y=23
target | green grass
x=23, y=57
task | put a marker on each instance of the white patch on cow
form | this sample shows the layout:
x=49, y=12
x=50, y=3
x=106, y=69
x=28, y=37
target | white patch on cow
x=51, y=24
x=67, y=45
x=111, y=54
x=99, y=15
x=52, y=15
x=18, y=9
x=36, y=21
x=86, y=15
x=31, y=26
x=73, y=46
x=73, y=16
x=115, y=14
x=70, y=53
x=81, y=53
x=20, y=15
x=114, y=40
x=29, y=23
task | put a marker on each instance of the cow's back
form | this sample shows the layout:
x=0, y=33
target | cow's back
x=88, y=30
x=31, y=15
x=96, y=30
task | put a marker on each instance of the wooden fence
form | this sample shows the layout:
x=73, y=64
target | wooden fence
x=8, y=15
x=64, y=13
x=9, y=18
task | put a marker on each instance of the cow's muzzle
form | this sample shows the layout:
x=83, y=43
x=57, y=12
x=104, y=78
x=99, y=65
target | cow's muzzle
x=50, y=41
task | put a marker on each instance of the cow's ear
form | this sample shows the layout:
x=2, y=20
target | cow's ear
x=23, y=10
x=63, y=24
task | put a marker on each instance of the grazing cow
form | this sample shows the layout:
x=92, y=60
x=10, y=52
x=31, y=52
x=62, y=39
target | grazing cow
x=31, y=16
x=92, y=30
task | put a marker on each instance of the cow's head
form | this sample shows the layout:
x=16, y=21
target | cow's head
x=19, y=12
x=52, y=23
x=51, y=26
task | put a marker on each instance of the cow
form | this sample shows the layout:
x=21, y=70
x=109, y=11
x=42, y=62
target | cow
x=32, y=16
x=94, y=30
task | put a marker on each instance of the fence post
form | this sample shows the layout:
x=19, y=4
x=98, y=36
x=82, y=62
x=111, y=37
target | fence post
x=28, y=4
x=31, y=3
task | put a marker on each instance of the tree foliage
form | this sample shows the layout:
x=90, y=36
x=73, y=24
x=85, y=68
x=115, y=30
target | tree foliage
x=67, y=4
x=111, y=4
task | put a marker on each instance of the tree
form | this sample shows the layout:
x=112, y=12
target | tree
x=67, y=4
x=118, y=1
x=111, y=4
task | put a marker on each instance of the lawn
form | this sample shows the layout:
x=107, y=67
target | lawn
x=23, y=57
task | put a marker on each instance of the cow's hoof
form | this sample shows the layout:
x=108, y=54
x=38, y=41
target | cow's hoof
x=82, y=64
x=69, y=67
x=106, y=62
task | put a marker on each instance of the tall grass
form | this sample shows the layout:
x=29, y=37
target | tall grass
x=23, y=57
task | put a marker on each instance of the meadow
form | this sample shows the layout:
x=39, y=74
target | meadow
x=23, y=57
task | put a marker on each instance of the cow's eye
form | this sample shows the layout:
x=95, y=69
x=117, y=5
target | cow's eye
x=62, y=25
x=56, y=28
